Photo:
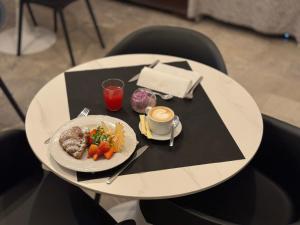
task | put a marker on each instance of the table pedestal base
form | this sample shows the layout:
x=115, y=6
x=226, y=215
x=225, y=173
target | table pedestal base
x=37, y=40
x=128, y=210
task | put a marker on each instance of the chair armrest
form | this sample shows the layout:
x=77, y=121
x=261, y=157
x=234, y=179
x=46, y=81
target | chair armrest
x=127, y=222
x=281, y=133
x=280, y=146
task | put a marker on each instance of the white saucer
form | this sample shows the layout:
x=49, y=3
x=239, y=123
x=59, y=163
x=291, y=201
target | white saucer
x=165, y=137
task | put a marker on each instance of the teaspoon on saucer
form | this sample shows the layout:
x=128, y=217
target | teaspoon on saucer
x=175, y=123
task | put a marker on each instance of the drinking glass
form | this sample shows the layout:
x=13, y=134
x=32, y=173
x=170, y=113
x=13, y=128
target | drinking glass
x=113, y=92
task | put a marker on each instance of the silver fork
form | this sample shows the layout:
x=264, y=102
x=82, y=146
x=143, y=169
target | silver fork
x=84, y=112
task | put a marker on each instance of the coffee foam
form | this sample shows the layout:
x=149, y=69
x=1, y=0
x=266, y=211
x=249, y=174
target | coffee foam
x=161, y=114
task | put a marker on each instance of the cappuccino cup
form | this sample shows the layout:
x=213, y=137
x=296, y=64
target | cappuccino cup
x=160, y=119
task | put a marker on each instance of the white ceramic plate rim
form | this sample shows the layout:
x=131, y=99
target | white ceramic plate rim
x=165, y=137
x=89, y=165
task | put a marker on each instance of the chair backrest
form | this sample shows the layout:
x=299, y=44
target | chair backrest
x=175, y=41
x=12, y=100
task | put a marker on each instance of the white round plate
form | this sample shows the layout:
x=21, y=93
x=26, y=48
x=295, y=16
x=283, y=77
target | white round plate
x=89, y=165
x=165, y=137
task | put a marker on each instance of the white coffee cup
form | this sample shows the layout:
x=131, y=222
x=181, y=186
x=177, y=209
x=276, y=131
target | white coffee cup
x=160, y=119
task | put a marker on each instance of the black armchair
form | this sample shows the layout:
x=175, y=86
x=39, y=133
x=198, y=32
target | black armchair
x=175, y=41
x=264, y=193
x=30, y=196
x=279, y=159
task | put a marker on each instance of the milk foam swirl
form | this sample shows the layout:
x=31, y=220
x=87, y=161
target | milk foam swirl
x=162, y=114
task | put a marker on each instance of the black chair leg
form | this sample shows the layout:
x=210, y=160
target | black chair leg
x=97, y=197
x=12, y=100
x=55, y=20
x=20, y=26
x=61, y=14
x=95, y=23
x=31, y=14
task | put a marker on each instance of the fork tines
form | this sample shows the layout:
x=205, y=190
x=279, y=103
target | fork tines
x=84, y=112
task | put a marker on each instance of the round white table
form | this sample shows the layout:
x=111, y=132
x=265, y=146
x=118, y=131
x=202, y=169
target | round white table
x=239, y=112
x=34, y=39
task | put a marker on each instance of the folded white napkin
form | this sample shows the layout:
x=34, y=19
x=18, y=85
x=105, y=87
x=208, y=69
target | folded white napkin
x=168, y=79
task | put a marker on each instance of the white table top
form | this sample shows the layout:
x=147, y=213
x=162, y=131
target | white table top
x=239, y=112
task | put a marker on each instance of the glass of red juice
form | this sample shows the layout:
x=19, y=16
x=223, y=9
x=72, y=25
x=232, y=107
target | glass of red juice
x=113, y=92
